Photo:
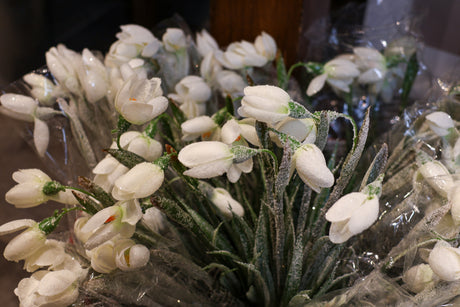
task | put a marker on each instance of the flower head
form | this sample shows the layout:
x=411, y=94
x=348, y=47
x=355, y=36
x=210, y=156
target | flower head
x=440, y=122
x=129, y=255
x=93, y=77
x=191, y=92
x=372, y=64
x=419, y=277
x=227, y=205
x=203, y=126
x=43, y=89
x=174, y=39
x=444, y=260
x=205, y=43
x=265, y=46
x=141, y=144
x=140, y=100
x=239, y=55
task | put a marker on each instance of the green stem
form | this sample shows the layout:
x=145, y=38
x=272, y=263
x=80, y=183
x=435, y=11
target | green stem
x=392, y=260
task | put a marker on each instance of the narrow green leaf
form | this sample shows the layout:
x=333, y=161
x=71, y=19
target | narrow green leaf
x=377, y=166
x=105, y=198
x=409, y=77
x=127, y=158
x=89, y=205
x=294, y=274
x=281, y=71
x=323, y=130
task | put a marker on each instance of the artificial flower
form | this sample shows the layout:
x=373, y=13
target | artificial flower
x=230, y=83
x=42, y=88
x=140, y=100
x=119, y=219
x=419, y=277
x=139, y=182
x=26, y=243
x=29, y=192
x=303, y=130
x=129, y=255
x=437, y=176
x=153, y=219
x=51, y=254
x=141, y=144
x=265, y=46
x=203, y=126
x=311, y=166
x=226, y=204
x=48, y=288
x=239, y=55
x=206, y=159
x=444, y=260
x=265, y=103
x=107, y=171
x=93, y=76
x=209, y=68
x=174, y=39
x=440, y=122
x=354, y=212
x=62, y=63
x=191, y=93
x=205, y=43
x=338, y=73
x=371, y=63
x=102, y=257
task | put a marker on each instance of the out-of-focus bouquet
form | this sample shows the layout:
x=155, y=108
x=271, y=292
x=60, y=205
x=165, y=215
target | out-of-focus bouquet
x=199, y=176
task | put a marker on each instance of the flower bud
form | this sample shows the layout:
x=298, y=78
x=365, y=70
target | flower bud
x=222, y=199
x=444, y=260
x=440, y=122
x=418, y=277
x=265, y=46
x=129, y=255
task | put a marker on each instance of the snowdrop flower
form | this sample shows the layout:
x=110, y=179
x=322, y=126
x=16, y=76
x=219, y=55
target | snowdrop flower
x=265, y=103
x=140, y=100
x=133, y=41
x=153, y=219
x=231, y=135
x=440, y=123
x=62, y=63
x=107, y=171
x=29, y=192
x=141, y=144
x=139, y=182
x=339, y=73
x=230, y=83
x=191, y=93
x=43, y=89
x=444, y=260
x=265, y=46
x=119, y=219
x=206, y=159
x=303, y=130
x=372, y=64
x=205, y=43
x=419, y=277
x=311, y=166
x=437, y=176
x=239, y=55
x=129, y=255
x=93, y=77
x=248, y=131
x=51, y=254
x=354, y=212
x=26, y=243
x=174, y=40
x=222, y=199
x=78, y=225
x=209, y=68
x=102, y=258
x=48, y=288
x=26, y=108
x=203, y=126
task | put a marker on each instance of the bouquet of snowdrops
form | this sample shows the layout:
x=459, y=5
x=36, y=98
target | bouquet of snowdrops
x=201, y=179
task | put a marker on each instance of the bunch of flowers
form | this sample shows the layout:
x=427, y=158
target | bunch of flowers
x=215, y=187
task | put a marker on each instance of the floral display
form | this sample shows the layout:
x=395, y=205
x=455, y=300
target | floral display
x=205, y=176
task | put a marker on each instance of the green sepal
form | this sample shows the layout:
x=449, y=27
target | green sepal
x=52, y=188
x=296, y=110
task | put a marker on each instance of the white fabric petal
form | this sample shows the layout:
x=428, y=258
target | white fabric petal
x=364, y=216
x=345, y=207
x=316, y=84
x=100, y=218
x=41, y=136
x=16, y=225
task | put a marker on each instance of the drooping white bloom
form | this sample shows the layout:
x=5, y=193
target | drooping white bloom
x=311, y=166
x=239, y=55
x=437, y=176
x=26, y=108
x=129, y=255
x=42, y=88
x=29, y=190
x=354, y=212
x=174, y=39
x=119, y=219
x=226, y=204
x=203, y=126
x=206, y=159
x=265, y=103
x=440, y=122
x=133, y=41
x=419, y=277
x=266, y=46
x=93, y=77
x=139, y=182
x=62, y=63
x=102, y=257
x=248, y=131
x=51, y=254
x=141, y=144
x=140, y=100
x=338, y=73
x=78, y=225
x=48, y=288
x=444, y=260
x=26, y=243
x=191, y=93
x=371, y=63
x=230, y=83
x=205, y=43
x=303, y=130
x=153, y=219
x=209, y=68
x=107, y=171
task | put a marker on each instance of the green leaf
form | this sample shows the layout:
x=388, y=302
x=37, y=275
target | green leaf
x=127, y=158
x=294, y=274
x=259, y=282
x=377, y=166
x=281, y=72
x=229, y=105
x=89, y=205
x=105, y=198
x=177, y=113
x=296, y=110
x=323, y=130
x=409, y=78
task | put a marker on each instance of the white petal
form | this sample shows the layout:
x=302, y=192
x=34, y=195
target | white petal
x=316, y=84
x=364, y=216
x=41, y=136
x=100, y=218
x=209, y=170
x=230, y=132
x=445, y=262
x=339, y=233
x=345, y=207
x=19, y=103
x=16, y=225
